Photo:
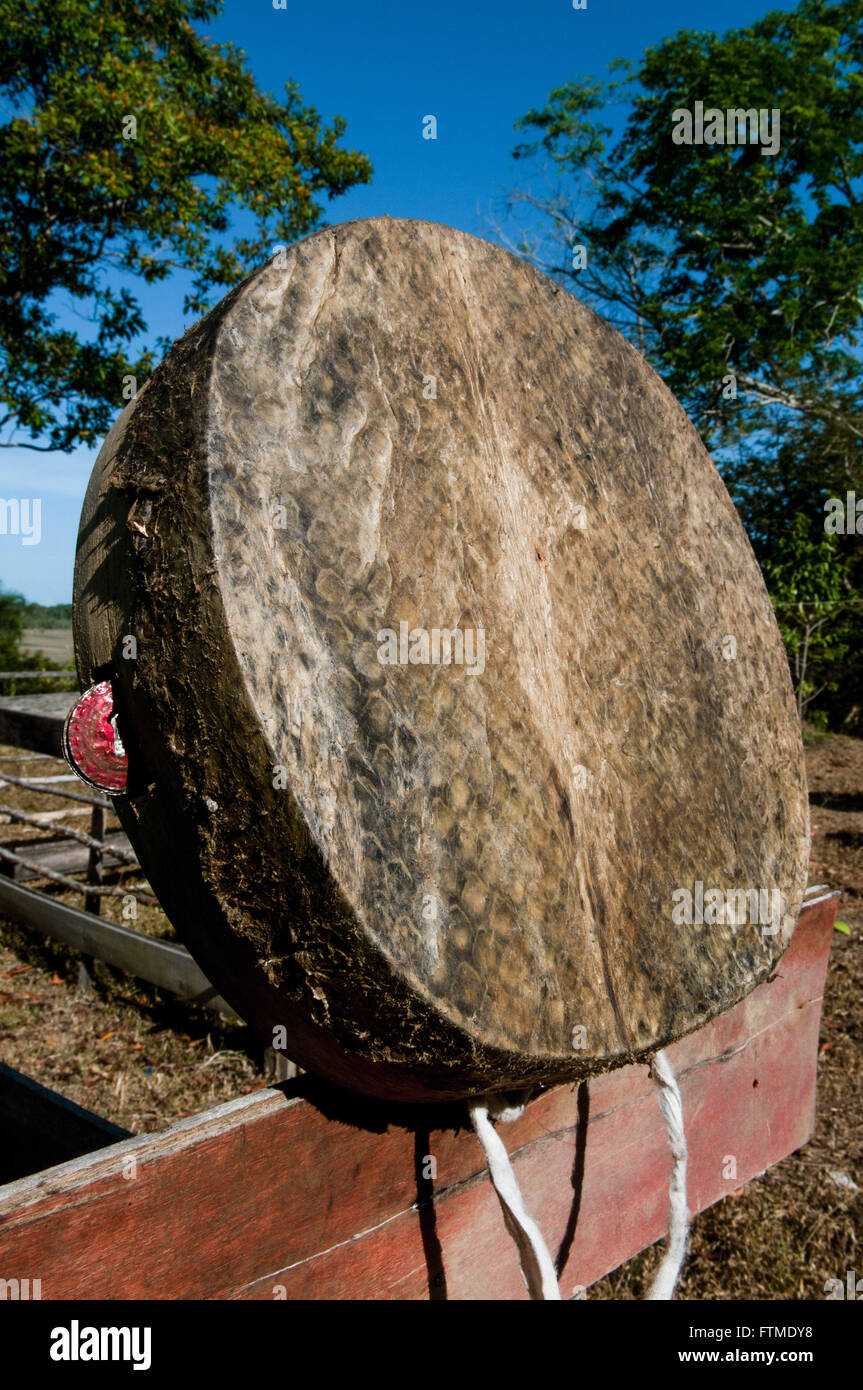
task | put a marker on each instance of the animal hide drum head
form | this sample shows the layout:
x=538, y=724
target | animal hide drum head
x=462, y=751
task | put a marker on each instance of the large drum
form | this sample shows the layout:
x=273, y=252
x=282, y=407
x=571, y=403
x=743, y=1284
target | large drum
x=461, y=745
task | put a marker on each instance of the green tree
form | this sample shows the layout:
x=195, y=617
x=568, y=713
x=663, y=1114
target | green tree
x=13, y=614
x=718, y=259
x=130, y=143
x=812, y=603
x=737, y=272
x=10, y=630
x=57, y=615
x=806, y=464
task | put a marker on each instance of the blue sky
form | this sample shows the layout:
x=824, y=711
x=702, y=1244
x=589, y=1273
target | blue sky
x=475, y=65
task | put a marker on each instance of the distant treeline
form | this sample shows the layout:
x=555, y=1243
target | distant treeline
x=16, y=614
x=36, y=615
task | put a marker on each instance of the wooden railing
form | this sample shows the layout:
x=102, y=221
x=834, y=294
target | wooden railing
x=165, y=964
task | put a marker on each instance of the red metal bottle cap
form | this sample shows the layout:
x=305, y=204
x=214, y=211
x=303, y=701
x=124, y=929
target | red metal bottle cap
x=91, y=740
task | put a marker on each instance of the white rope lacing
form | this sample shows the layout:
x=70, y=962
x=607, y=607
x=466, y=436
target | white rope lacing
x=537, y=1266
x=668, y=1095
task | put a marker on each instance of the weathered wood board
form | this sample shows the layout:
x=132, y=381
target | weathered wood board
x=393, y=445
x=271, y=1196
x=164, y=963
x=64, y=856
x=35, y=721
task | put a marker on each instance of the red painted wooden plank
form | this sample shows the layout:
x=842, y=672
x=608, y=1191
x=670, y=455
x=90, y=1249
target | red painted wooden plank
x=267, y=1194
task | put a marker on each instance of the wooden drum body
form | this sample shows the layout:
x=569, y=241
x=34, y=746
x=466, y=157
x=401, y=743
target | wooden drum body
x=392, y=445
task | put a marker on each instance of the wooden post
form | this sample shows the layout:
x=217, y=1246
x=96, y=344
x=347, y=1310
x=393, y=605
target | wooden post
x=95, y=862
x=93, y=901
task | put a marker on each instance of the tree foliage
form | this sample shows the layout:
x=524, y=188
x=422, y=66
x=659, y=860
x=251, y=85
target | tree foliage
x=718, y=259
x=812, y=604
x=15, y=614
x=11, y=625
x=739, y=274
x=131, y=142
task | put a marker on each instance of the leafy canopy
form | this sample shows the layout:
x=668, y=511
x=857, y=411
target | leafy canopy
x=718, y=259
x=14, y=614
x=739, y=275
x=81, y=195
x=812, y=609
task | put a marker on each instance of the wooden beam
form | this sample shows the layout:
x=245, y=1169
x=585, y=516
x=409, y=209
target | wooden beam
x=64, y=854
x=21, y=861
x=38, y=675
x=162, y=963
x=35, y=721
x=49, y=786
x=309, y=1192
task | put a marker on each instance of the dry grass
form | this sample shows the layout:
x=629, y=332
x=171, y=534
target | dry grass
x=53, y=642
x=126, y=1051
x=136, y=1058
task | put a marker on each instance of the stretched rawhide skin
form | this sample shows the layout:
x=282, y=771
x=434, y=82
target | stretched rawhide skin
x=440, y=878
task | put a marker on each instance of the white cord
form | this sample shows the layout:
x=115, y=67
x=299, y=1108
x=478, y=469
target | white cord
x=536, y=1262
x=671, y=1106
